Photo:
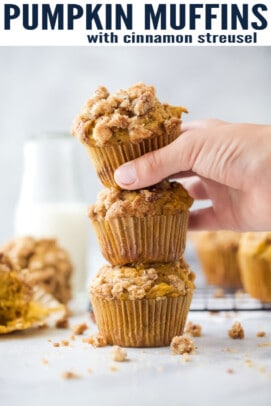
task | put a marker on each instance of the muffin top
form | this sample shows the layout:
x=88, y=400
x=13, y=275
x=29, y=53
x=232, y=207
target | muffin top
x=165, y=198
x=143, y=281
x=220, y=239
x=128, y=115
x=48, y=264
x=15, y=293
x=256, y=244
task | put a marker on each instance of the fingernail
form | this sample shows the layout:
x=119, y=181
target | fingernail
x=125, y=174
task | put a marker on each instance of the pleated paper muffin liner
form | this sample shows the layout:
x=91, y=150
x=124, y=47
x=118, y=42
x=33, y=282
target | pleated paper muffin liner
x=220, y=266
x=43, y=309
x=256, y=277
x=142, y=239
x=107, y=159
x=141, y=322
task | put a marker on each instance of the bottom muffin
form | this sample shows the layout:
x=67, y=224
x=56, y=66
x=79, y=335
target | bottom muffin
x=255, y=263
x=217, y=253
x=142, y=305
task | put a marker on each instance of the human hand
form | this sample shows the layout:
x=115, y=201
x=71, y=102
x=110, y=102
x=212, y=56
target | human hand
x=230, y=164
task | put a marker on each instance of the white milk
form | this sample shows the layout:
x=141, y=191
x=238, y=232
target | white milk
x=68, y=223
x=50, y=202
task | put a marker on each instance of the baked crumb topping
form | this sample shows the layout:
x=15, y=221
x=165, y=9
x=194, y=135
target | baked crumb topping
x=96, y=340
x=161, y=199
x=48, y=264
x=261, y=334
x=118, y=354
x=133, y=114
x=194, y=330
x=182, y=345
x=69, y=375
x=79, y=329
x=62, y=323
x=140, y=281
x=236, y=331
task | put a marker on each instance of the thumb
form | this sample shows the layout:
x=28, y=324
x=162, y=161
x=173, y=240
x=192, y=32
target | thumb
x=155, y=166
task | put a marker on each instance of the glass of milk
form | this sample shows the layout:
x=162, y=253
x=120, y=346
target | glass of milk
x=50, y=202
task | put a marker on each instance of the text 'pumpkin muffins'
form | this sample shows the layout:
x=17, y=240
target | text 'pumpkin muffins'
x=120, y=127
x=146, y=225
x=217, y=253
x=142, y=305
x=255, y=263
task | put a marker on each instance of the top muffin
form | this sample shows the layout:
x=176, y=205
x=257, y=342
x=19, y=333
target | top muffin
x=128, y=115
x=165, y=198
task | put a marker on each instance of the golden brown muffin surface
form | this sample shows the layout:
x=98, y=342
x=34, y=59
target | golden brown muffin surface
x=162, y=199
x=48, y=264
x=138, y=281
x=15, y=293
x=128, y=115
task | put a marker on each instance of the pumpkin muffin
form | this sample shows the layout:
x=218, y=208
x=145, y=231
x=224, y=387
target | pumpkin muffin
x=48, y=264
x=142, y=305
x=217, y=253
x=123, y=126
x=255, y=264
x=146, y=225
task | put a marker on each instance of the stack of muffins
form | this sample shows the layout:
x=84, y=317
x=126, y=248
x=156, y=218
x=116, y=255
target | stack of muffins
x=143, y=297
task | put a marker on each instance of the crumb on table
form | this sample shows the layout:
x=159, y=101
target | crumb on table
x=69, y=375
x=96, y=340
x=219, y=293
x=182, y=345
x=236, y=331
x=118, y=354
x=79, y=328
x=261, y=334
x=194, y=330
x=65, y=343
x=62, y=323
x=56, y=345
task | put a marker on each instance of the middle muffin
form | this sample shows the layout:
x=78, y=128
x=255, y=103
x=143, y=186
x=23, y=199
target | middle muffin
x=147, y=225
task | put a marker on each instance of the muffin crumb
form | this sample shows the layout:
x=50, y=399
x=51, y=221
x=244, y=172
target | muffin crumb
x=69, y=375
x=182, y=345
x=194, y=330
x=96, y=340
x=118, y=354
x=44, y=361
x=65, y=343
x=230, y=371
x=236, y=331
x=219, y=293
x=80, y=328
x=62, y=323
x=261, y=334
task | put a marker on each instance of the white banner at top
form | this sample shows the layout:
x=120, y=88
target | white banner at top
x=133, y=23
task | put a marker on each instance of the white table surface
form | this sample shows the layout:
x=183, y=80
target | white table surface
x=150, y=376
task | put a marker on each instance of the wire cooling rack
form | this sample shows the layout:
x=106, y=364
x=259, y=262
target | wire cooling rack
x=205, y=299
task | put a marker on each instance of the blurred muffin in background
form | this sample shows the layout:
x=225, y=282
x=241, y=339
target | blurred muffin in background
x=48, y=264
x=217, y=254
x=255, y=264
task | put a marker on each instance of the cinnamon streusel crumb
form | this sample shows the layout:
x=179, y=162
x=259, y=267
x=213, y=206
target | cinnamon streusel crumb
x=118, y=354
x=193, y=329
x=79, y=329
x=261, y=334
x=69, y=375
x=96, y=340
x=236, y=331
x=182, y=345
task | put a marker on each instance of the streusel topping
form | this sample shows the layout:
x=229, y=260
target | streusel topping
x=162, y=199
x=140, y=281
x=128, y=115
